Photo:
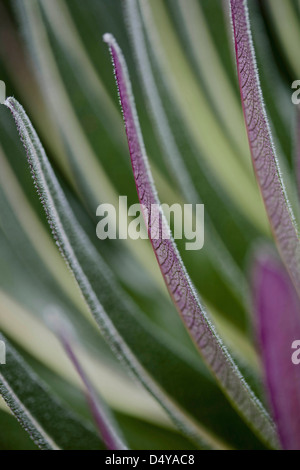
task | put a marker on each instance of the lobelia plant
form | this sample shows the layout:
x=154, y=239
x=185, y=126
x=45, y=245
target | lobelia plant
x=116, y=367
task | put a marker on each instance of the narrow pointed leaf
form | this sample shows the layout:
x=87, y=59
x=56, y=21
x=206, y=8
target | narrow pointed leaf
x=50, y=425
x=134, y=339
x=176, y=278
x=277, y=310
x=96, y=281
x=191, y=101
x=261, y=145
x=174, y=158
x=221, y=285
x=103, y=419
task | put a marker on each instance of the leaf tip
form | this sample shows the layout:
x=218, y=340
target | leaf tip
x=108, y=38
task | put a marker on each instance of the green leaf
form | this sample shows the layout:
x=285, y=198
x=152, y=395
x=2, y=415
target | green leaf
x=174, y=272
x=12, y=436
x=62, y=61
x=135, y=341
x=105, y=423
x=267, y=170
x=49, y=423
x=174, y=158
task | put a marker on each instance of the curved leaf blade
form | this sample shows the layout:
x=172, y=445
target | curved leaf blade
x=174, y=158
x=103, y=419
x=261, y=144
x=135, y=340
x=87, y=266
x=176, y=278
x=50, y=425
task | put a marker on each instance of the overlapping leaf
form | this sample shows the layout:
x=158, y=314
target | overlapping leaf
x=133, y=339
x=261, y=145
x=105, y=423
x=173, y=270
x=79, y=75
x=44, y=417
x=72, y=68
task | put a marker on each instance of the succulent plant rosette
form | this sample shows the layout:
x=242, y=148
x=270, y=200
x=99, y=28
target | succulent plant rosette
x=145, y=340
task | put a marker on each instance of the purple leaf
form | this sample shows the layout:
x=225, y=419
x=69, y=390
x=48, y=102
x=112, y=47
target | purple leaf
x=277, y=309
x=261, y=145
x=103, y=420
x=176, y=278
x=298, y=148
